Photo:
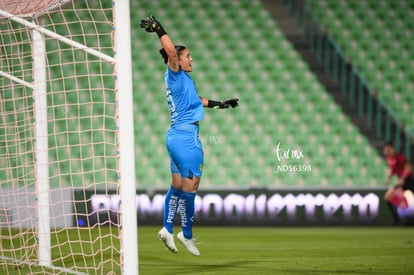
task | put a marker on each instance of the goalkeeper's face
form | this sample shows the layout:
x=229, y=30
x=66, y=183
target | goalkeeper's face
x=186, y=61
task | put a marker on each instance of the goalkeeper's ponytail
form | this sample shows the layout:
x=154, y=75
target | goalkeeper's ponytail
x=178, y=48
x=164, y=55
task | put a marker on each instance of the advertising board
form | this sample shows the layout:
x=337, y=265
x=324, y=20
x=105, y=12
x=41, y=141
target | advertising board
x=259, y=207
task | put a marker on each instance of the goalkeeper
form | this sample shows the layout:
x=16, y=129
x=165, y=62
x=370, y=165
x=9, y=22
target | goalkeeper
x=182, y=139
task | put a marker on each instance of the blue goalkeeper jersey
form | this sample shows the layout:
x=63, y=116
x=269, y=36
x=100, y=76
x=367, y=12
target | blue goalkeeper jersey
x=183, y=100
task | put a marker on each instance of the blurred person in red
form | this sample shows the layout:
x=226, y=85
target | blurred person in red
x=398, y=166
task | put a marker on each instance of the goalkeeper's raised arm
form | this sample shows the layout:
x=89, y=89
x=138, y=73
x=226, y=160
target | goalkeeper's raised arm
x=169, y=52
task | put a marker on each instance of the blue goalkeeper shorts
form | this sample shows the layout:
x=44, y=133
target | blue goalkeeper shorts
x=185, y=150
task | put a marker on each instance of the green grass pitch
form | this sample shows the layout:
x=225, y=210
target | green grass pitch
x=305, y=250
x=258, y=250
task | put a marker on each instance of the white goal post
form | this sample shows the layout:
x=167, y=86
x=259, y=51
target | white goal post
x=66, y=128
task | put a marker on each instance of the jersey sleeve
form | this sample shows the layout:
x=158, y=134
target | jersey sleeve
x=173, y=75
x=173, y=79
x=402, y=159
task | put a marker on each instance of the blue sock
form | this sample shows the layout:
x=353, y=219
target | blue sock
x=171, y=207
x=186, y=209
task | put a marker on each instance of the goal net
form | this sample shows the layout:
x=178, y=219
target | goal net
x=59, y=138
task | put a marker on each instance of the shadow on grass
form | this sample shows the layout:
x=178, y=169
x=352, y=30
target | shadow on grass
x=231, y=266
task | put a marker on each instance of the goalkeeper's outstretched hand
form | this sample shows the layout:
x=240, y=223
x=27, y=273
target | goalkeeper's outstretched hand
x=233, y=102
x=150, y=24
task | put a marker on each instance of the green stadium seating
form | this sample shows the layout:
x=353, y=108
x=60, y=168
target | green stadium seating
x=281, y=102
x=383, y=56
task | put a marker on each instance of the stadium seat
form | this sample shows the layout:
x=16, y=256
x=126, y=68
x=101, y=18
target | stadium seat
x=387, y=28
x=281, y=100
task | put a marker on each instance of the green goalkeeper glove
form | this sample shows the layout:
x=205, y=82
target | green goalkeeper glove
x=150, y=24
